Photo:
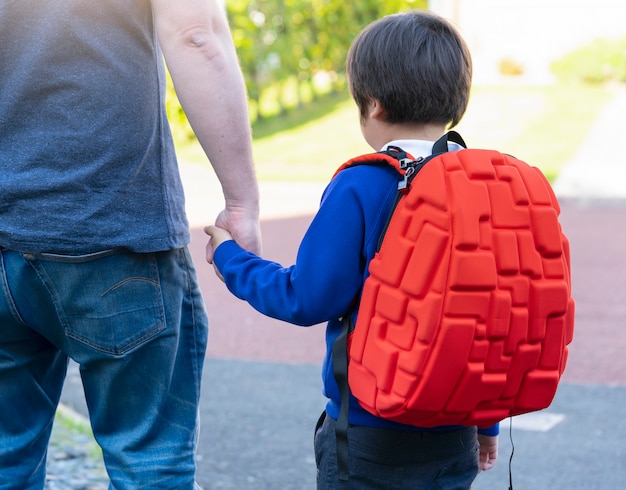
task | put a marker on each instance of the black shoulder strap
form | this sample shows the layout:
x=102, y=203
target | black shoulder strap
x=340, y=370
x=441, y=145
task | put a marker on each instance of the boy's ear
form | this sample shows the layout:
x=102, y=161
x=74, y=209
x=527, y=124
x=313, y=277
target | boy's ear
x=377, y=111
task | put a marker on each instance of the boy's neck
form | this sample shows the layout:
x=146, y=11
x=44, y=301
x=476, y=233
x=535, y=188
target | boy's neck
x=427, y=132
x=386, y=132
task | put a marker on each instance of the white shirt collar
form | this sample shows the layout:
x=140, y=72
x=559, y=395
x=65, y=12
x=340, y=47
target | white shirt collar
x=419, y=148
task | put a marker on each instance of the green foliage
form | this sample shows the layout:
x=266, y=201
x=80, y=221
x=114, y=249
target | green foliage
x=291, y=51
x=292, y=120
x=601, y=61
x=181, y=130
x=543, y=125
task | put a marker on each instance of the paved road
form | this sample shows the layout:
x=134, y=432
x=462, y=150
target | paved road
x=261, y=387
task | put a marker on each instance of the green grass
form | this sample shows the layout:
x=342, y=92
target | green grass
x=543, y=125
x=66, y=424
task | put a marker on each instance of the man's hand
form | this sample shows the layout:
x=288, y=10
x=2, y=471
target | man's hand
x=243, y=224
x=488, y=451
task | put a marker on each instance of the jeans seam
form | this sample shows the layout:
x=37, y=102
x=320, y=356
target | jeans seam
x=127, y=280
x=196, y=367
x=7, y=292
x=116, y=352
x=51, y=293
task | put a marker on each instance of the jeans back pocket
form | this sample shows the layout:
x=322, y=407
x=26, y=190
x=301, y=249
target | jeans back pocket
x=110, y=300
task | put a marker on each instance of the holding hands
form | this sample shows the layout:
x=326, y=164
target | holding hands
x=234, y=223
x=217, y=236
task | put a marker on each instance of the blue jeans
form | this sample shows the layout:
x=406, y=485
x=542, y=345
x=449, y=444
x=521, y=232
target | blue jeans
x=136, y=325
x=397, y=459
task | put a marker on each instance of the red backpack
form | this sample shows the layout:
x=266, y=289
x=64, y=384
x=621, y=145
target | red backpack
x=467, y=312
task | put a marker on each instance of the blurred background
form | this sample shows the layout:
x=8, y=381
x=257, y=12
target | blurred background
x=543, y=71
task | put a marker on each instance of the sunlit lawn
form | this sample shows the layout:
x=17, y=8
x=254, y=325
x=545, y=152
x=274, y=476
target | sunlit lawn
x=543, y=125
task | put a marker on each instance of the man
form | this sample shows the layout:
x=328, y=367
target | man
x=93, y=234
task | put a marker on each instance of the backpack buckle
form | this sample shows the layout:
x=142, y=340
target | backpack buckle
x=404, y=184
x=405, y=163
x=410, y=169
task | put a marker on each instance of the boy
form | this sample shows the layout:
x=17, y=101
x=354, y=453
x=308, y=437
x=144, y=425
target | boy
x=410, y=77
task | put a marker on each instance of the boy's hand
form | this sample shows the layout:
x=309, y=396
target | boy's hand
x=217, y=237
x=488, y=451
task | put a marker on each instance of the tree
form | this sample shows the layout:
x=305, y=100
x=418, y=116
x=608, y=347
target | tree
x=292, y=51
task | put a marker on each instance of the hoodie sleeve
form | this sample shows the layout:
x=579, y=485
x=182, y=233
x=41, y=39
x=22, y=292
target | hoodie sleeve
x=332, y=257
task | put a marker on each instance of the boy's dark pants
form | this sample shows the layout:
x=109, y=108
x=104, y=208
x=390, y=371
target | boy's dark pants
x=398, y=459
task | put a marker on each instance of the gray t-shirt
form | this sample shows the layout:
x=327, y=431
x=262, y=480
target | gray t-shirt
x=87, y=161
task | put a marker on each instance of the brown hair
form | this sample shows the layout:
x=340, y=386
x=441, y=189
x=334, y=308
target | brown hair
x=416, y=64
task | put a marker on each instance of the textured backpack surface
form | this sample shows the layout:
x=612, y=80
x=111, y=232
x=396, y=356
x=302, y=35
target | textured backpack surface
x=467, y=312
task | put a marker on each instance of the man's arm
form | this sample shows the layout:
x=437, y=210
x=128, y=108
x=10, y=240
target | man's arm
x=200, y=55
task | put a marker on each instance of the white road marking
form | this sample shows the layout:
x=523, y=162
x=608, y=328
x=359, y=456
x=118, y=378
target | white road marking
x=537, y=421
